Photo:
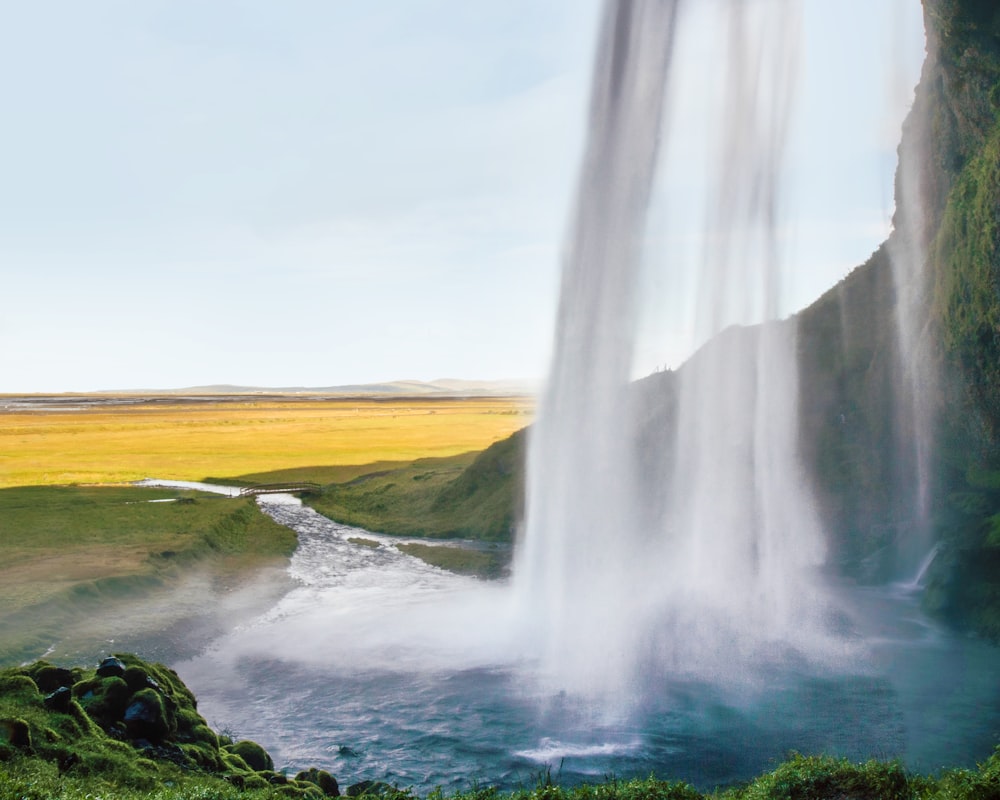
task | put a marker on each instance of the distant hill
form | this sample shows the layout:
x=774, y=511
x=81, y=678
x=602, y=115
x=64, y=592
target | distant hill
x=441, y=387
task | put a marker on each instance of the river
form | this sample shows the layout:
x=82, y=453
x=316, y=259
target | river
x=377, y=666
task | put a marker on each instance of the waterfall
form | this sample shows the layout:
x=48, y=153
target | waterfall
x=692, y=550
x=915, y=398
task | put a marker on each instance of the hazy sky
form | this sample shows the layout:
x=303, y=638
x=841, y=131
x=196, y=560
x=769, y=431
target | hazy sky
x=319, y=192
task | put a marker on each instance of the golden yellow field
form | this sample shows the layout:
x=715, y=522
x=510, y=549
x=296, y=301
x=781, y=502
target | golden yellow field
x=191, y=440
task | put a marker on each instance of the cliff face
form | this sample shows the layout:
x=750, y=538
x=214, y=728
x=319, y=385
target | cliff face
x=964, y=307
x=857, y=437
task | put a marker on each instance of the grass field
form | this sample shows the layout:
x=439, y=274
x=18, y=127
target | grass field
x=315, y=439
x=78, y=552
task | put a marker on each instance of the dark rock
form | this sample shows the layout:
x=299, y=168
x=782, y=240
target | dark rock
x=117, y=731
x=277, y=779
x=49, y=679
x=66, y=762
x=145, y=716
x=16, y=733
x=321, y=778
x=111, y=667
x=163, y=752
x=59, y=700
x=137, y=679
x=104, y=699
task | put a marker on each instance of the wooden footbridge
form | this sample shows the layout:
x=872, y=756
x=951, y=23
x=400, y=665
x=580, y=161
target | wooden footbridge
x=278, y=488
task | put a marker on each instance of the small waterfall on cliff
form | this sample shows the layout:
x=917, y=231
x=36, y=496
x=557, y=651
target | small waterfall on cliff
x=710, y=565
x=915, y=397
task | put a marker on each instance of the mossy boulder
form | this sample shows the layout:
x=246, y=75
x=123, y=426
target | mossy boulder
x=20, y=686
x=60, y=699
x=324, y=780
x=15, y=733
x=136, y=727
x=49, y=678
x=111, y=667
x=104, y=699
x=146, y=716
x=255, y=756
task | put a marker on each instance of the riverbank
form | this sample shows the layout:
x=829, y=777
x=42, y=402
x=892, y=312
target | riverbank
x=166, y=566
x=165, y=570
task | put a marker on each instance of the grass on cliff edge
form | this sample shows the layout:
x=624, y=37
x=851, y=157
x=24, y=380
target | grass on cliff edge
x=317, y=439
x=67, y=553
x=471, y=496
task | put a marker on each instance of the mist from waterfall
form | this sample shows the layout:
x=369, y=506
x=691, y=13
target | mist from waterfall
x=692, y=551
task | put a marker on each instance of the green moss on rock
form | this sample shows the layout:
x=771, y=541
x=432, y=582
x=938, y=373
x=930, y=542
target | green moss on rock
x=15, y=733
x=253, y=754
x=104, y=699
x=137, y=726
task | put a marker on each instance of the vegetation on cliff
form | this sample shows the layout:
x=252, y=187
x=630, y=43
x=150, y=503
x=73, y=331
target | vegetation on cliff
x=473, y=496
x=963, y=105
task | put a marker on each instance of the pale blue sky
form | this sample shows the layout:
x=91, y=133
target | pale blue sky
x=318, y=192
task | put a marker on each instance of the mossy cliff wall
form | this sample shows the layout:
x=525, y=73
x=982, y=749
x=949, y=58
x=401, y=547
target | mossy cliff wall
x=853, y=431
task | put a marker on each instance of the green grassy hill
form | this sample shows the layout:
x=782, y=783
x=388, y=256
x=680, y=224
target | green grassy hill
x=473, y=496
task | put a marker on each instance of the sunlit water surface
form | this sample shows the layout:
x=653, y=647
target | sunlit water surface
x=380, y=667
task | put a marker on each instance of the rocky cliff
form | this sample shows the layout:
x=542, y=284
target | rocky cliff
x=857, y=436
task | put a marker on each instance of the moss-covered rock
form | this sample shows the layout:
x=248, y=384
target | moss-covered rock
x=145, y=716
x=324, y=780
x=16, y=684
x=104, y=699
x=49, y=678
x=15, y=733
x=255, y=756
x=137, y=727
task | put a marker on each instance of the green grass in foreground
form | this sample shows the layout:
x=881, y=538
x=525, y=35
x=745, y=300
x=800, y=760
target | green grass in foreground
x=800, y=778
